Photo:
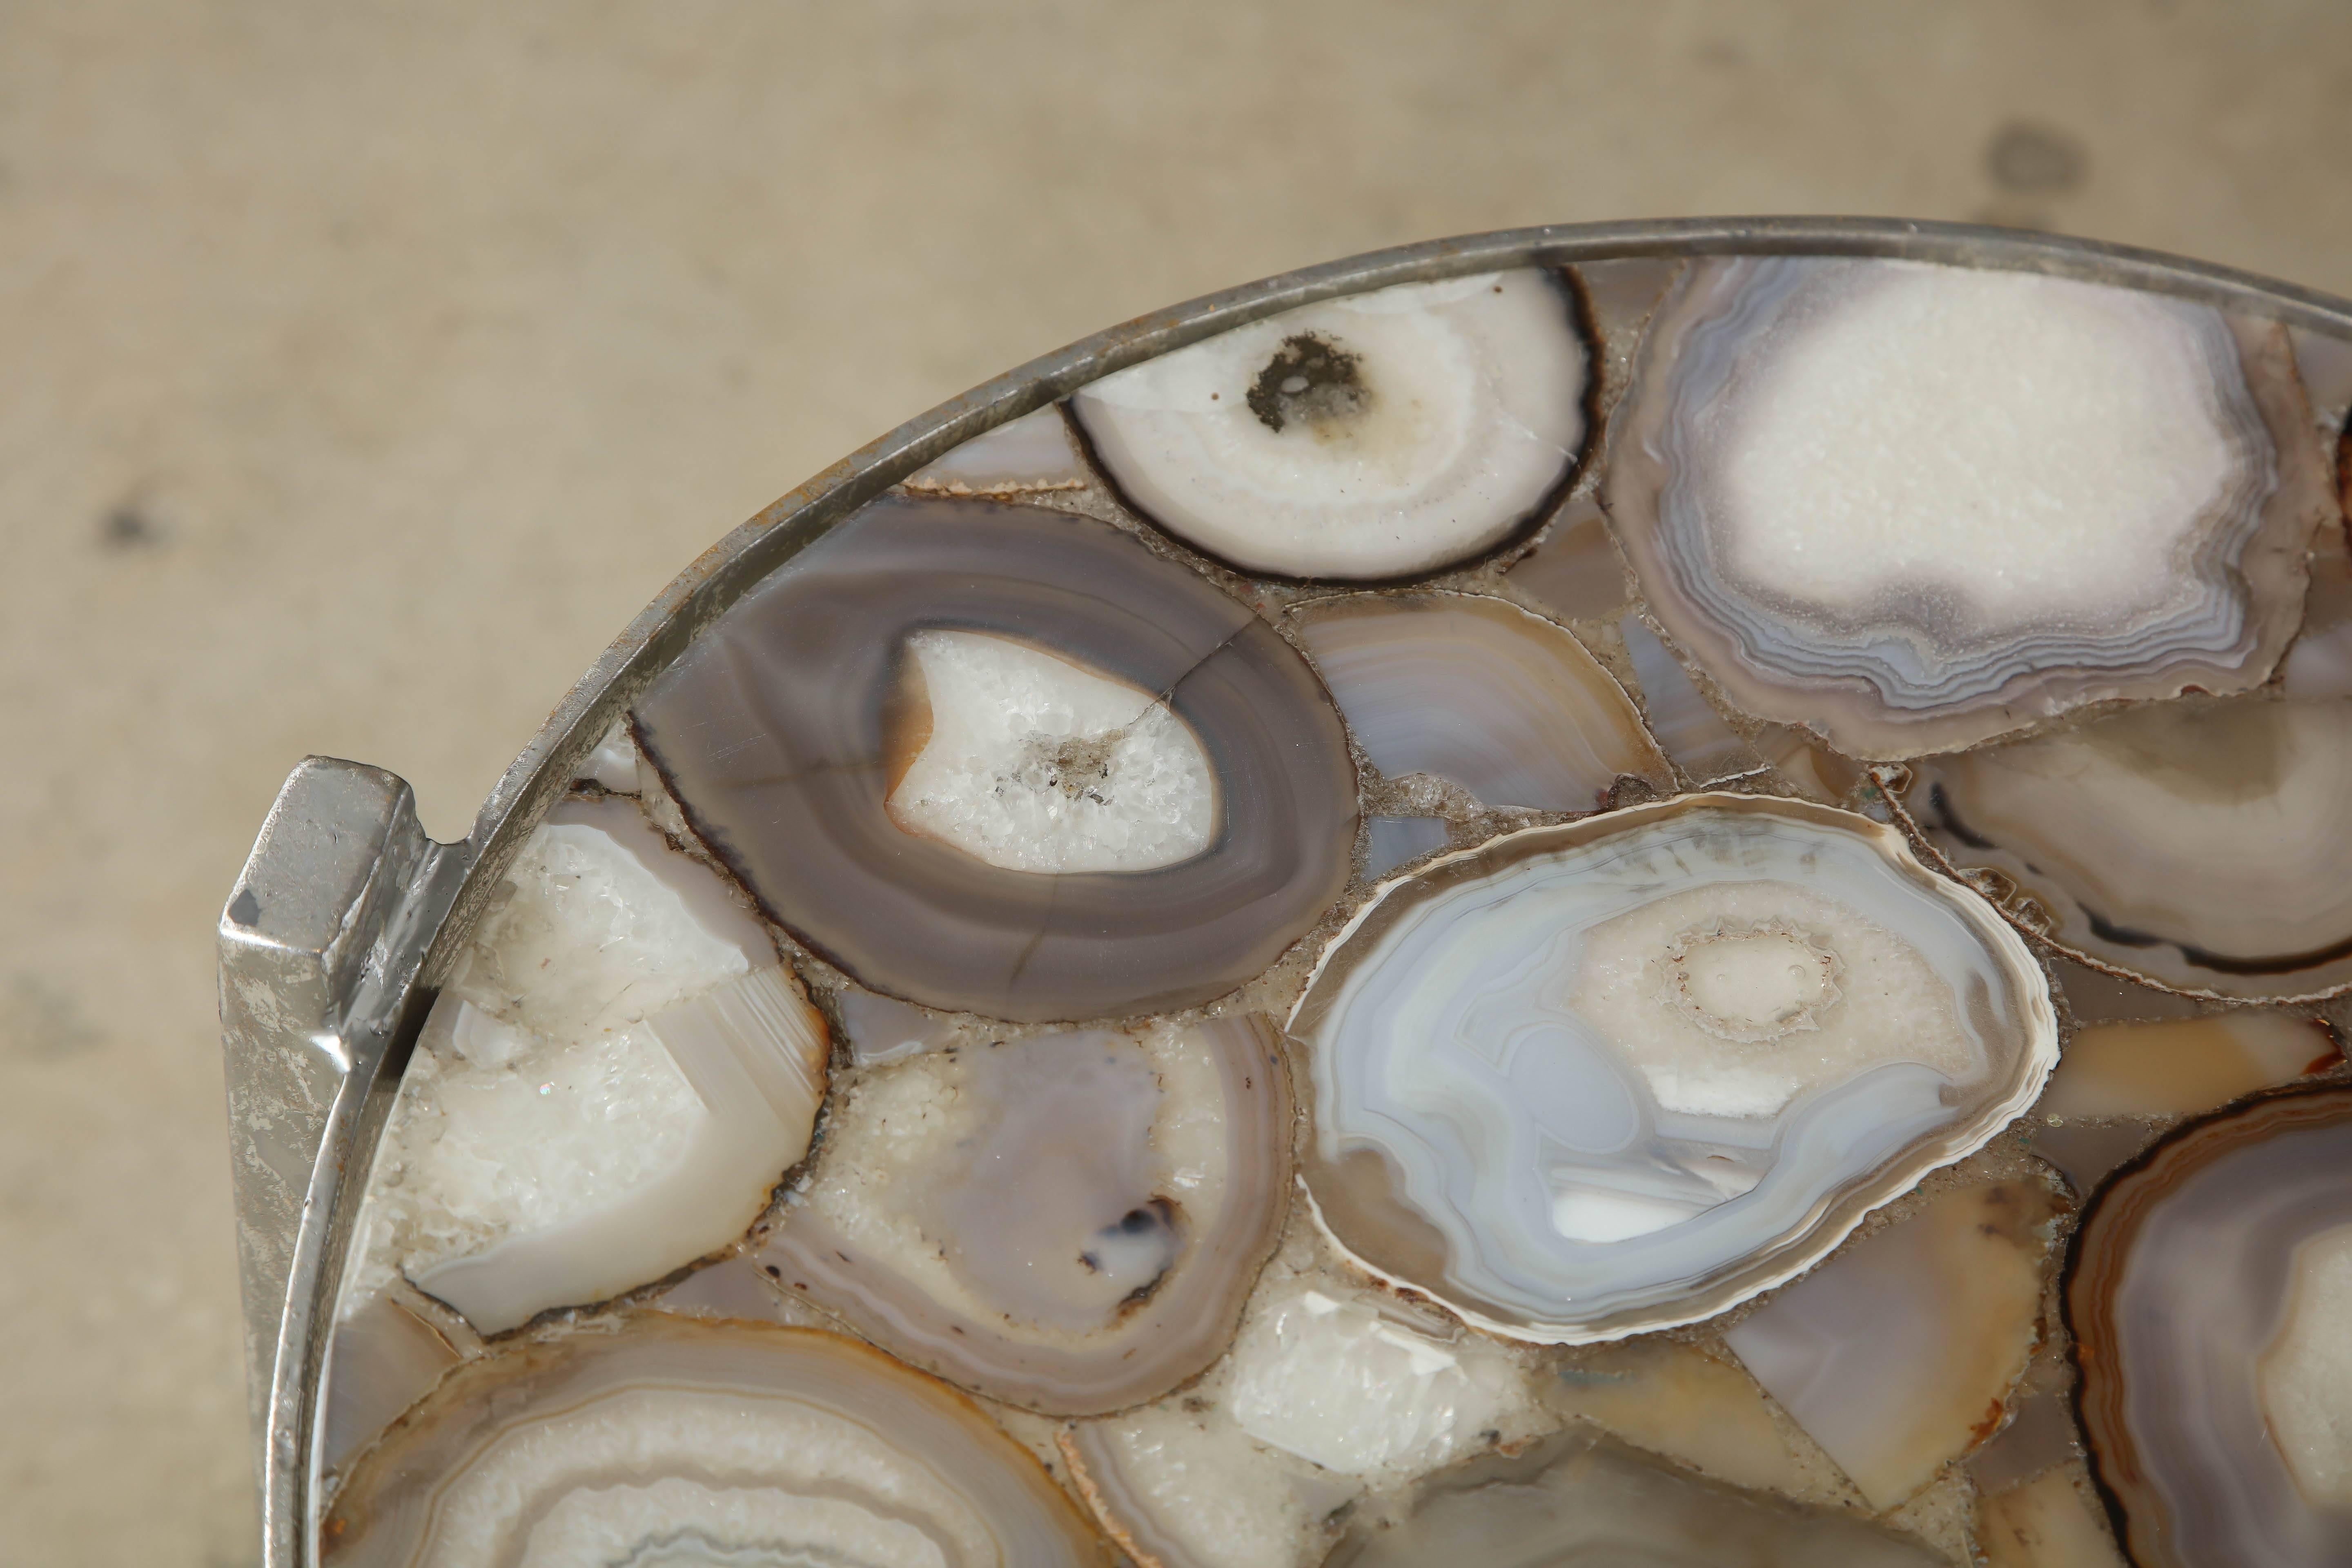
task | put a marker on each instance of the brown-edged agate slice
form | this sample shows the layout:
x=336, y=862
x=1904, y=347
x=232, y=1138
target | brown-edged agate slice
x=783, y=732
x=2202, y=846
x=1915, y=507
x=1067, y=1221
x=1480, y=692
x=666, y=1440
x=2207, y=1301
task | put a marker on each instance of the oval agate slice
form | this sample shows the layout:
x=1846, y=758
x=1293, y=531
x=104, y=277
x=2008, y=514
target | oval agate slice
x=1914, y=507
x=999, y=760
x=1592, y=1080
x=665, y=1440
x=1379, y=436
x=2208, y=1301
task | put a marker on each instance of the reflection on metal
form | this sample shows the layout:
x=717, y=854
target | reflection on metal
x=346, y=916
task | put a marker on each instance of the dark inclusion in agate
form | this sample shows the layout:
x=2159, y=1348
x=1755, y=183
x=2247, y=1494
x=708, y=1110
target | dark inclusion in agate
x=1913, y=507
x=2208, y=1301
x=775, y=731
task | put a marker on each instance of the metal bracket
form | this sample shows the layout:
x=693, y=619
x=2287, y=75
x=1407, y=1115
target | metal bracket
x=320, y=949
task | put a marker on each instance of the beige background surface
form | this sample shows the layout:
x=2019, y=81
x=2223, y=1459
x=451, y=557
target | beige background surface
x=364, y=367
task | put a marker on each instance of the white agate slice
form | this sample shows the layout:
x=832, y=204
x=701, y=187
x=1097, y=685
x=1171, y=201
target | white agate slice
x=1913, y=507
x=1592, y=1080
x=1033, y=762
x=610, y=1087
x=1387, y=433
x=1187, y=1489
x=1479, y=691
x=1022, y=456
x=1898, y=1354
x=668, y=1441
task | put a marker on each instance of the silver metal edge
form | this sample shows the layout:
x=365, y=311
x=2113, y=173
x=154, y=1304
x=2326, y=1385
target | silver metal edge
x=418, y=934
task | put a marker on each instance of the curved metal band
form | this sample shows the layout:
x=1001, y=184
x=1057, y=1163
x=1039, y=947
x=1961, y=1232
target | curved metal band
x=345, y=919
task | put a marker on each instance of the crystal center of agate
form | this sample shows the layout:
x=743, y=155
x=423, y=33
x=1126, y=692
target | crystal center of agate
x=1751, y=986
x=1034, y=762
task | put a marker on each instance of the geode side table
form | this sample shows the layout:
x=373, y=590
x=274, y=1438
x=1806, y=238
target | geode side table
x=1664, y=883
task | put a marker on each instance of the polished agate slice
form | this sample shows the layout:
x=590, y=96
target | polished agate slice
x=1067, y=1221
x=1699, y=1408
x=1574, y=571
x=2118, y=1085
x=1023, y=456
x=610, y=1087
x=1576, y=1500
x=2207, y=1300
x=785, y=729
x=1385, y=435
x=1178, y=1488
x=1590, y=1080
x=1898, y=1354
x=2206, y=846
x=2050, y=1522
x=1478, y=692
x=665, y=1440
x=1702, y=746
x=1914, y=507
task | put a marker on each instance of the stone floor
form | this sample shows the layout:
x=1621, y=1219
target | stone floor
x=363, y=368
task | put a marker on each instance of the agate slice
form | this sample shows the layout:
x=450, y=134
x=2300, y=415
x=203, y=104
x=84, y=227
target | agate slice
x=2205, y=846
x=1575, y=1500
x=1914, y=507
x=1074, y=712
x=1382, y=436
x=670, y=1441
x=2207, y=1301
x=1590, y=1080
x=1068, y=1222
x=1898, y=1354
x=1480, y=693
x=611, y=1086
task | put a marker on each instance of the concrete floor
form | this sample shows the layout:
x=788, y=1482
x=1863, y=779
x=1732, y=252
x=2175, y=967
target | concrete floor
x=363, y=368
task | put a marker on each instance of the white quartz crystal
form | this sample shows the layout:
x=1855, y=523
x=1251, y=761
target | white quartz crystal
x=2023, y=446
x=2306, y=1371
x=1334, y=1379
x=608, y=1088
x=1036, y=763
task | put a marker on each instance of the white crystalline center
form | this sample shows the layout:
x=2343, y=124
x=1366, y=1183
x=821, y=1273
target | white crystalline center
x=1036, y=763
x=2030, y=446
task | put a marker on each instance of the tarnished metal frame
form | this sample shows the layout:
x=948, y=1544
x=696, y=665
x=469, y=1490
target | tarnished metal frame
x=346, y=916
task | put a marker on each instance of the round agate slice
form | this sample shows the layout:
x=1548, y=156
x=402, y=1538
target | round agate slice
x=1914, y=507
x=999, y=760
x=2208, y=1301
x=1592, y=1080
x=1381, y=435
x=665, y=1440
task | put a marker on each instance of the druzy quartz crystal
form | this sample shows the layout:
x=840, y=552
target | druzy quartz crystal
x=1666, y=911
